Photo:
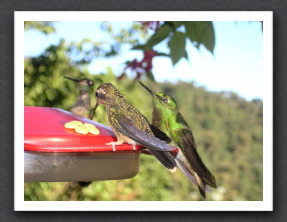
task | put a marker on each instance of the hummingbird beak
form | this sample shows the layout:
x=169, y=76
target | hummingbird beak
x=75, y=80
x=151, y=92
x=92, y=113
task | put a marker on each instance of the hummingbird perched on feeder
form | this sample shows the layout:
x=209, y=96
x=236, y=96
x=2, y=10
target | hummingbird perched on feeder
x=82, y=105
x=167, y=118
x=131, y=127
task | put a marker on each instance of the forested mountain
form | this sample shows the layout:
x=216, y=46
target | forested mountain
x=228, y=131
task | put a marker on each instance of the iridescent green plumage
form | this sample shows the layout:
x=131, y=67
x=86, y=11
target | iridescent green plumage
x=167, y=118
x=130, y=126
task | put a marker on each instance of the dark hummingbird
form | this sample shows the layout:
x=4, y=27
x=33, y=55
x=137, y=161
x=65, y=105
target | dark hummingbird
x=131, y=127
x=167, y=118
x=82, y=105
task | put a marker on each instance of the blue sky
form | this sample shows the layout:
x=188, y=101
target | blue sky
x=237, y=63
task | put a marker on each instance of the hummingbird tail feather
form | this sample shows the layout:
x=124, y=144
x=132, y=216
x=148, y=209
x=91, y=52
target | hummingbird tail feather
x=193, y=178
x=200, y=184
x=165, y=158
x=185, y=171
x=196, y=162
x=172, y=170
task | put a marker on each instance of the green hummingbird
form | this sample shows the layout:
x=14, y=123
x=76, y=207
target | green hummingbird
x=167, y=118
x=131, y=127
x=82, y=105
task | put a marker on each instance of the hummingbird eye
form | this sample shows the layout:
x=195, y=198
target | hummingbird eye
x=97, y=94
x=165, y=100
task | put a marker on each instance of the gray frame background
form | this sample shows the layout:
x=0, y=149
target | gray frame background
x=7, y=8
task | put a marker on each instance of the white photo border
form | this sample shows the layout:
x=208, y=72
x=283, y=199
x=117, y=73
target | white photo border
x=21, y=16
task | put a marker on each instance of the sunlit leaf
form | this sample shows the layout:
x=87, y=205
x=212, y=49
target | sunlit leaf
x=141, y=47
x=161, y=34
x=185, y=55
x=191, y=31
x=201, y=32
x=176, y=24
x=208, y=37
x=177, y=47
x=162, y=54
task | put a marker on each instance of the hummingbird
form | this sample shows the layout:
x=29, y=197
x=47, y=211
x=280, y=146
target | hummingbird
x=82, y=105
x=132, y=127
x=167, y=118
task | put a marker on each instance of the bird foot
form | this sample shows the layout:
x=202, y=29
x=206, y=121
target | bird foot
x=114, y=144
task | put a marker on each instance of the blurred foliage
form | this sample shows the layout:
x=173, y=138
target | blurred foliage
x=227, y=128
x=175, y=34
x=44, y=27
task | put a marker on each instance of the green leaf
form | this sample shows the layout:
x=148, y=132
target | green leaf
x=191, y=31
x=150, y=75
x=201, y=32
x=175, y=24
x=177, y=47
x=185, y=55
x=162, y=54
x=208, y=38
x=161, y=34
x=141, y=47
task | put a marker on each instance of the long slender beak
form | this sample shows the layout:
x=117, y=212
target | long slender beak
x=151, y=92
x=75, y=80
x=92, y=113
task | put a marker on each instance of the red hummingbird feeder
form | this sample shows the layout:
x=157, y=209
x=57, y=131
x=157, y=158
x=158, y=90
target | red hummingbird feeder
x=53, y=153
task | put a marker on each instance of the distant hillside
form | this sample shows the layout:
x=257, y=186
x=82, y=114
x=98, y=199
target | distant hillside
x=227, y=129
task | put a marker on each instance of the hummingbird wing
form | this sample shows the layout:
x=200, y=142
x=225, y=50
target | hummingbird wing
x=184, y=139
x=159, y=134
x=127, y=127
x=157, y=147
